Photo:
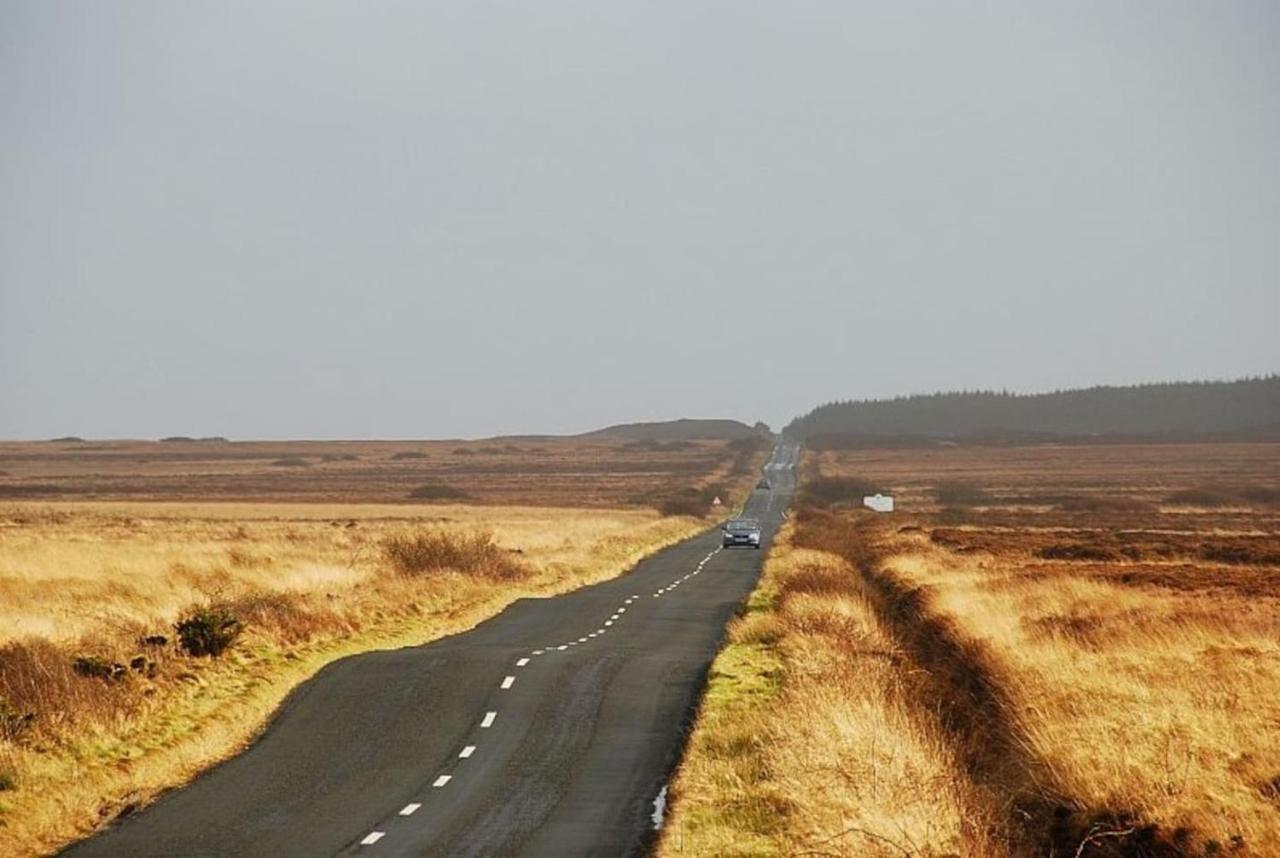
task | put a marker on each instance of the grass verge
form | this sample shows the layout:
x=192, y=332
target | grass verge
x=806, y=741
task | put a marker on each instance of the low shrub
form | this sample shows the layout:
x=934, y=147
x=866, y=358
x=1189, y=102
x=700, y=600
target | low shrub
x=431, y=551
x=438, y=492
x=208, y=630
x=96, y=667
x=409, y=454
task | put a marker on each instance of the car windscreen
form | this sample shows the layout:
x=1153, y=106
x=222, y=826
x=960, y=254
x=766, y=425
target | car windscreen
x=741, y=526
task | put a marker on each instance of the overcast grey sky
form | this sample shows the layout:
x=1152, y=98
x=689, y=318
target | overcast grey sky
x=373, y=219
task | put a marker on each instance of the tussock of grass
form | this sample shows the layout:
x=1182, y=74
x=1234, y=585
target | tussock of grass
x=436, y=551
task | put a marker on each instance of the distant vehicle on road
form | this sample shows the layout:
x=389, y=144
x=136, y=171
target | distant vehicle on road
x=741, y=531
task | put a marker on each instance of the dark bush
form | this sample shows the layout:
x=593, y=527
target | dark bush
x=437, y=551
x=409, y=454
x=98, y=668
x=155, y=640
x=438, y=492
x=208, y=630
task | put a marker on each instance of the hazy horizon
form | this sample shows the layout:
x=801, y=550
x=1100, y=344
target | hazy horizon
x=338, y=220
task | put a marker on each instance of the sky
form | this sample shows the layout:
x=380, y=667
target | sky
x=392, y=220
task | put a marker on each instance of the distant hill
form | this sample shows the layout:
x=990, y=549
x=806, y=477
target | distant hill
x=1223, y=408
x=676, y=430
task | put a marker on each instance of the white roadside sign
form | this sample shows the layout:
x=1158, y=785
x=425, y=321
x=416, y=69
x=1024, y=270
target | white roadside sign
x=879, y=503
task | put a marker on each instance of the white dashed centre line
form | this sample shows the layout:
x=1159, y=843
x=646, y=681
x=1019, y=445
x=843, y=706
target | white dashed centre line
x=508, y=682
x=441, y=781
x=467, y=751
x=608, y=622
x=372, y=837
x=562, y=648
x=409, y=809
x=522, y=662
x=582, y=640
x=488, y=719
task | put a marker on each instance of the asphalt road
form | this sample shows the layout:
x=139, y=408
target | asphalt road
x=548, y=730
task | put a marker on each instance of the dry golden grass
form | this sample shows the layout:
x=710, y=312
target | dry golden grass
x=1150, y=704
x=1089, y=660
x=309, y=583
x=808, y=741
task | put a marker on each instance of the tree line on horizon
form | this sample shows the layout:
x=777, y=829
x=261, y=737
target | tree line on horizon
x=1159, y=409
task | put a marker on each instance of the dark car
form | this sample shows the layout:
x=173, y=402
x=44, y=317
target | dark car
x=741, y=531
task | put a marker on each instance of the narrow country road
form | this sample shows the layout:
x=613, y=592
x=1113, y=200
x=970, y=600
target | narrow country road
x=548, y=730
